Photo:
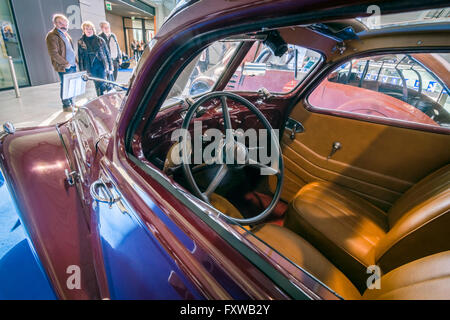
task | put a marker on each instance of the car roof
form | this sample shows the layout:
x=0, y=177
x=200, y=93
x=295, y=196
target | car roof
x=191, y=11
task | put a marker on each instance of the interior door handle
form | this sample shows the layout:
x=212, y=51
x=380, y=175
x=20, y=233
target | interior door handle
x=336, y=146
x=293, y=126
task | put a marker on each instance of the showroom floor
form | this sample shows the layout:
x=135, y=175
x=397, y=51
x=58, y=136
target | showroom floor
x=41, y=105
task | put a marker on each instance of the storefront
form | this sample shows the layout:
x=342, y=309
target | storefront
x=137, y=29
x=10, y=46
x=24, y=25
x=131, y=21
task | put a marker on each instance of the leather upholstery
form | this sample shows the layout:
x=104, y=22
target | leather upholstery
x=343, y=226
x=224, y=206
x=174, y=156
x=426, y=278
x=378, y=162
x=354, y=234
x=303, y=254
x=432, y=185
x=412, y=240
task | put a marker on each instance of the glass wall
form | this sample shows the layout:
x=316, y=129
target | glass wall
x=138, y=29
x=9, y=46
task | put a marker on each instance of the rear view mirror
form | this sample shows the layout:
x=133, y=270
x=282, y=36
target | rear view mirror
x=254, y=69
x=74, y=85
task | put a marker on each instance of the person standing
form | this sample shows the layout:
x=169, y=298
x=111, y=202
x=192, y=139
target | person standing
x=133, y=46
x=113, y=46
x=61, y=52
x=94, y=57
x=138, y=50
x=141, y=49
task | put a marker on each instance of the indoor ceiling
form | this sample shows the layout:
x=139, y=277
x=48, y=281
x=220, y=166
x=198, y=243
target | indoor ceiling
x=124, y=9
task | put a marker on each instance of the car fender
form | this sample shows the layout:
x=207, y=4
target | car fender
x=34, y=163
x=21, y=272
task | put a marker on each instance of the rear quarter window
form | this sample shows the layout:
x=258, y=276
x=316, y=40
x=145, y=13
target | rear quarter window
x=398, y=87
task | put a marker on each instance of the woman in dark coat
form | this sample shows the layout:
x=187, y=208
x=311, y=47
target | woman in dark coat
x=134, y=49
x=141, y=48
x=94, y=57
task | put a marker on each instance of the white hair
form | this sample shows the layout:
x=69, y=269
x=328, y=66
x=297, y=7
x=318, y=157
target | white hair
x=101, y=24
x=59, y=16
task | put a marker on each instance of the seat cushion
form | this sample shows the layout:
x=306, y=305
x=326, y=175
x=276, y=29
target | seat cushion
x=340, y=224
x=224, y=206
x=426, y=278
x=303, y=254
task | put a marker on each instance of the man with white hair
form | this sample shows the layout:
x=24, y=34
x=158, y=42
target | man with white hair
x=113, y=46
x=62, y=54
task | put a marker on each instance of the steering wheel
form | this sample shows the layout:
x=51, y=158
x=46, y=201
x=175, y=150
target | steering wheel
x=230, y=151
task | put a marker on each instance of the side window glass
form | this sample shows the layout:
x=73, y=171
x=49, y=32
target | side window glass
x=261, y=68
x=398, y=87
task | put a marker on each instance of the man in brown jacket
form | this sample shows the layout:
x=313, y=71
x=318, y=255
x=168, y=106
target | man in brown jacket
x=62, y=54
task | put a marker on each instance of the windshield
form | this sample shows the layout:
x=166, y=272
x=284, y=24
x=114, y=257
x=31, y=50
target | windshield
x=140, y=63
x=201, y=74
x=261, y=68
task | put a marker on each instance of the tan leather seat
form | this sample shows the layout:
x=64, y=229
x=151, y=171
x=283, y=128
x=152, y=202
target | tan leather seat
x=224, y=206
x=303, y=254
x=426, y=278
x=353, y=234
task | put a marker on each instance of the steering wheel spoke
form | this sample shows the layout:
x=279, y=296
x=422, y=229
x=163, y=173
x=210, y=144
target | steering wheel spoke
x=226, y=113
x=265, y=169
x=220, y=174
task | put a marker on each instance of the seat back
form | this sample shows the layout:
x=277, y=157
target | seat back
x=434, y=184
x=419, y=222
x=426, y=278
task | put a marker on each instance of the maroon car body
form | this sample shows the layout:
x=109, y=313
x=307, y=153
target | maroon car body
x=150, y=244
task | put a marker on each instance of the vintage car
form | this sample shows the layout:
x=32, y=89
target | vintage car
x=281, y=193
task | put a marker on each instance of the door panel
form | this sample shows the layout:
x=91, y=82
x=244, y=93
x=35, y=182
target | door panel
x=377, y=161
x=136, y=265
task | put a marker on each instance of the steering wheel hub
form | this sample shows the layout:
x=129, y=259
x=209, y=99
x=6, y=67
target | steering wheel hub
x=235, y=154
